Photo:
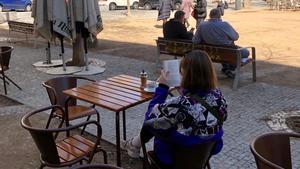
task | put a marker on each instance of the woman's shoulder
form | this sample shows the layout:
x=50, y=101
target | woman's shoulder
x=215, y=91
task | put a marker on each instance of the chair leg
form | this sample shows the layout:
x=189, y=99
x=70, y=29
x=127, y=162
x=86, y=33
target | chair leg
x=208, y=165
x=97, y=114
x=104, y=155
x=48, y=121
x=4, y=83
x=98, y=117
x=42, y=166
x=59, y=126
x=88, y=118
x=13, y=82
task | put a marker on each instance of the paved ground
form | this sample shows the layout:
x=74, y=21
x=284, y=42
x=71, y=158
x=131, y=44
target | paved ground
x=277, y=89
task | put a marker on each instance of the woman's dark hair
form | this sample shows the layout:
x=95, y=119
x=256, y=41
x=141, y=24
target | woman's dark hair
x=197, y=72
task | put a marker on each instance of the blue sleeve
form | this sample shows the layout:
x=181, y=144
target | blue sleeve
x=197, y=37
x=231, y=33
x=160, y=96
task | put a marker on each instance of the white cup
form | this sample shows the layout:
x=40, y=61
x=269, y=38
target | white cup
x=151, y=85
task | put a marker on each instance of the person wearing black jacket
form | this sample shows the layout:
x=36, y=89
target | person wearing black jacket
x=201, y=12
x=175, y=29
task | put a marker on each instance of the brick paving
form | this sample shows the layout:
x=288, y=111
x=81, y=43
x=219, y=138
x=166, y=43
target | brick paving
x=248, y=109
x=249, y=106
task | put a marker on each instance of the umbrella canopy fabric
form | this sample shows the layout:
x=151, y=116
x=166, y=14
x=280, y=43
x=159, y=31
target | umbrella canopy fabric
x=41, y=21
x=86, y=12
x=92, y=17
x=63, y=14
x=60, y=18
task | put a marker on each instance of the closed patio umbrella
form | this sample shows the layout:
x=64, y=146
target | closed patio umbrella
x=43, y=28
x=87, y=21
x=92, y=22
x=58, y=15
x=67, y=19
x=40, y=15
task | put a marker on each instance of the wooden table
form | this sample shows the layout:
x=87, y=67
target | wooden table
x=116, y=94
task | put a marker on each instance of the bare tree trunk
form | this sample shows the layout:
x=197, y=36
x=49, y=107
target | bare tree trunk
x=78, y=52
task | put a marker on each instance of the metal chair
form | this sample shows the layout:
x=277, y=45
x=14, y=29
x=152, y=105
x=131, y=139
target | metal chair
x=63, y=151
x=5, y=55
x=95, y=166
x=272, y=150
x=194, y=157
x=55, y=88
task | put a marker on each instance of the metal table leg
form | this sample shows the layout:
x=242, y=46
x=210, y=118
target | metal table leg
x=118, y=139
x=66, y=115
x=124, y=125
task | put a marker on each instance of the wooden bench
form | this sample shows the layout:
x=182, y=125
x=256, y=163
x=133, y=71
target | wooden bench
x=218, y=54
x=21, y=27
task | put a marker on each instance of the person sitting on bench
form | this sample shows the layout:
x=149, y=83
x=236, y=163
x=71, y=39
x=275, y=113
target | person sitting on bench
x=217, y=32
x=175, y=29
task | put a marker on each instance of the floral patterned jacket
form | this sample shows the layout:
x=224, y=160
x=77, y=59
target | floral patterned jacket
x=190, y=122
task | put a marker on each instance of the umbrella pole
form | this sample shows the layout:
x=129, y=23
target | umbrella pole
x=85, y=54
x=63, y=52
x=48, y=53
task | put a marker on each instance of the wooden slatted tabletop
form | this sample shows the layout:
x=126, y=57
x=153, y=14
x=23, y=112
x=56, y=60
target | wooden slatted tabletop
x=117, y=93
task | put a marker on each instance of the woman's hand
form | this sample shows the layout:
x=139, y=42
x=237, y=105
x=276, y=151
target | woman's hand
x=163, y=78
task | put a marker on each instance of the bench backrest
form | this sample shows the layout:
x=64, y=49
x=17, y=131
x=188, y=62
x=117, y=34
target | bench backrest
x=219, y=54
x=21, y=27
x=174, y=47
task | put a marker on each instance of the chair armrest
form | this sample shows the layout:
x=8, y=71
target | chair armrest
x=294, y=134
x=297, y=135
x=24, y=122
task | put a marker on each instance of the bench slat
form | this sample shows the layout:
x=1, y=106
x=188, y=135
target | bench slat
x=217, y=53
x=21, y=27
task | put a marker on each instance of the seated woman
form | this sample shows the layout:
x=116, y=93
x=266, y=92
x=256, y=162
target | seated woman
x=194, y=117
